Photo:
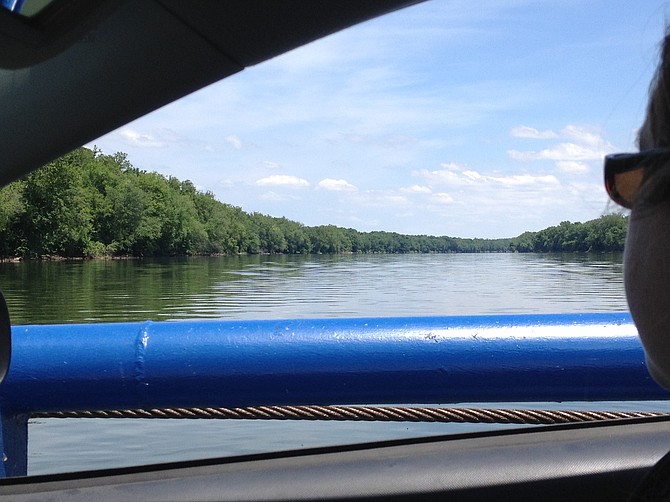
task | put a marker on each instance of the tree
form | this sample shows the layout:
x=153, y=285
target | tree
x=89, y=204
x=57, y=213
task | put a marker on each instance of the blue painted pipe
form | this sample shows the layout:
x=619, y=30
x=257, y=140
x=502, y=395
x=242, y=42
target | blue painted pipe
x=326, y=361
x=13, y=5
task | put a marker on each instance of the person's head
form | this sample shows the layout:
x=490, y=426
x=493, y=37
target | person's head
x=642, y=183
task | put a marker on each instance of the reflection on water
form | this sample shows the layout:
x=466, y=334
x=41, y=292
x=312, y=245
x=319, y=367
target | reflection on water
x=271, y=287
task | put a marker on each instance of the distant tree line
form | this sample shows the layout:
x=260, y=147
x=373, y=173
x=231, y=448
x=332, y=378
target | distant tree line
x=86, y=204
x=605, y=234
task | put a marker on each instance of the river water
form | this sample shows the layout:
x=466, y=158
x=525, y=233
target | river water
x=275, y=287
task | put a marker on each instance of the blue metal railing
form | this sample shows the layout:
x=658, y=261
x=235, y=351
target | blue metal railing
x=587, y=357
x=12, y=5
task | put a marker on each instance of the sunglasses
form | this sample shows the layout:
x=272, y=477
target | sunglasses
x=625, y=173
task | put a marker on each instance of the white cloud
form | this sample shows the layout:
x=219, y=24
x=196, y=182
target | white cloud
x=472, y=175
x=416, y=189
x=234, y=141
x=561, y=151
x=583, y=135
x=282, y=179
x=584, y=144
x=442, y=176
x=453, y=166
x=449, y=176
x=136, y=138
x=270, y=165
x=532, y=133
x=474, y=178
x=441, y=198
x=524, y=179
x=336, y=185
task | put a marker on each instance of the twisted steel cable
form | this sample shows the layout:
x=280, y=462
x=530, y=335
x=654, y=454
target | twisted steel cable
x=365, y=413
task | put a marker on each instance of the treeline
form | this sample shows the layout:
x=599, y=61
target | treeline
x=605, y=234
x=86, y=204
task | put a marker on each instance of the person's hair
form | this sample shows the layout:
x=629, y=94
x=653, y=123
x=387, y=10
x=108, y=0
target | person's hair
x=655, y=131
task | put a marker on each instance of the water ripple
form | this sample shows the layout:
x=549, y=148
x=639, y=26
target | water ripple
x=311, y=286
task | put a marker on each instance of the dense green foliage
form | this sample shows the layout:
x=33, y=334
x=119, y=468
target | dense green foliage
x=605, y=234
x=86, y=204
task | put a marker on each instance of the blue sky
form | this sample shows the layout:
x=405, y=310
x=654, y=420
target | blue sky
x=459, y=118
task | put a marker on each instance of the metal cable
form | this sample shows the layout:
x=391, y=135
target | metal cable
x=365, y=413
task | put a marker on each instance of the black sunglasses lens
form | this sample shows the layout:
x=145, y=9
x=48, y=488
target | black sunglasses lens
x=622, y=187
x=625, y=173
